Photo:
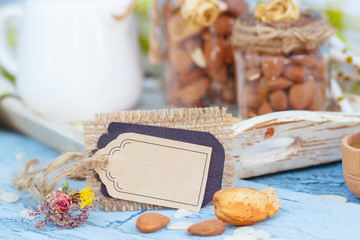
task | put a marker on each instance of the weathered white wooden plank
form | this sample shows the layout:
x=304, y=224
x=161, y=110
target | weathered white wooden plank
x=289, y=140
x=59, y=135
x=299, y=139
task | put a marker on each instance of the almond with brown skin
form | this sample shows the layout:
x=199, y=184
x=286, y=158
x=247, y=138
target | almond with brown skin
x=250, y=97
x=229, y=93
x=191, y=76
x=279, y=83
x=253, y=100
x=223, y=25
x=151, y=222
x=301, y=94
x=172, y=89
x=265, y=108
x=278, y=100
x=321, y=69
x=180, y=61
x=194, y=91
x=214, y=53
x=305, y=60
x=297, y=73
x=251, y=59
x=272, y=66
x=263, y=88
x=220, y=75
x=208, y=228
x=206, y=34
x=318, y=100
x=228, y=52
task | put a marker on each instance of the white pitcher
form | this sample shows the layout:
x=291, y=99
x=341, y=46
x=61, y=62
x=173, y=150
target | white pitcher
x=75, y=57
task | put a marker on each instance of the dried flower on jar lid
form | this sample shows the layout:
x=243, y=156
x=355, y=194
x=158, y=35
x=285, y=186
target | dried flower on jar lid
x=277, y=10
x=201, y=12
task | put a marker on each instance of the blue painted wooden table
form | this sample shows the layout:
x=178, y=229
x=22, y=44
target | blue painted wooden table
x=303, y=215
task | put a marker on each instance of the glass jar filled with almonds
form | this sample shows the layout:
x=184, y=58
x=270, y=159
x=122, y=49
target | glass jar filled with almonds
x=199, y=63
x=280, y=60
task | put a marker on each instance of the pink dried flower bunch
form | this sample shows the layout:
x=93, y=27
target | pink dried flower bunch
x=66, y=208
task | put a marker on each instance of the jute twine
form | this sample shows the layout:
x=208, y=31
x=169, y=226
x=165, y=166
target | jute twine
x=308, y=33
x=37, y=181
x=43, y=180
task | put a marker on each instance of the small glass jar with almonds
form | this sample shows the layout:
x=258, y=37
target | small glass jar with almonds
x=197, y=52
x=280, y=60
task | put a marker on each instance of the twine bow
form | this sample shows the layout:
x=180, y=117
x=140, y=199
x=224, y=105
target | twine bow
x=272, y=39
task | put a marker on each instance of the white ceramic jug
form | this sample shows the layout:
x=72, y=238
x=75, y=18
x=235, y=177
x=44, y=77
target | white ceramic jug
x=75, y=57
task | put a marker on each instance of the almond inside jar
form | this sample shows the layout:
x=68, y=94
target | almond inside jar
x=199, y=70
x=280, y=73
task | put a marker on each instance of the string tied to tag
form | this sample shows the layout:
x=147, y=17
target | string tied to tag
x=39, y=181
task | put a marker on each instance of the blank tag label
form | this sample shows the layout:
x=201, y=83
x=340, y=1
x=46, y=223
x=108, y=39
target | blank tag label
x=154, y=170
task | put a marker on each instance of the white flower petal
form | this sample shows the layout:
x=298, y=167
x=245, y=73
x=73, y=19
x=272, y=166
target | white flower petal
x=240, y=237
x=179, y=225
x=20, y=156
x=261, y=234
x=335, y=197
x=26, y=214
x=182, y=213
x=277, y=239
x=9, y=197
x=231, y=238
x=243, y=231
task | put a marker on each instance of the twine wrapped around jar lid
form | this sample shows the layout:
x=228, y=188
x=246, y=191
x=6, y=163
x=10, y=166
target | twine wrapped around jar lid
x=309, y=32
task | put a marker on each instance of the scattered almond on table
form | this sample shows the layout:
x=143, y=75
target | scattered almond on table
x=151, y=222
x=208, y=228
x=236, y=206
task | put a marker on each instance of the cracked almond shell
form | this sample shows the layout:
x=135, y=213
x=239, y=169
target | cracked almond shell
x=245, y=206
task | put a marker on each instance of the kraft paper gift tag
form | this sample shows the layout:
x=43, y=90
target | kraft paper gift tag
x=161, y=166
